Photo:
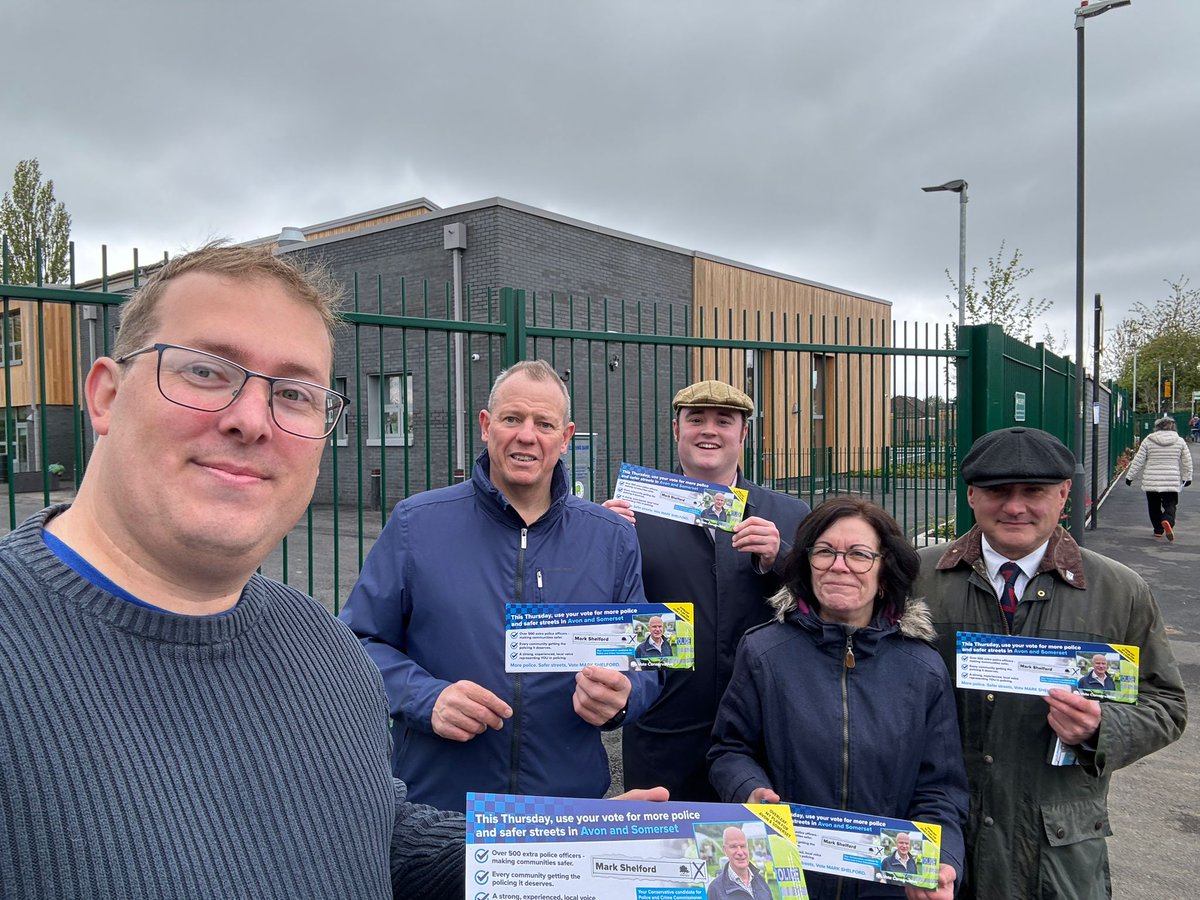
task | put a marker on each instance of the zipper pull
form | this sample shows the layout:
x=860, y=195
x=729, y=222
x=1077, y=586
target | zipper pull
x=849, y=651
x=524, y=534
x=539, y=579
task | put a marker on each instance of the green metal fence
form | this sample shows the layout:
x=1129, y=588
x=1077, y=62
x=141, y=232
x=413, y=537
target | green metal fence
x=1007, y=383
x=866, y=408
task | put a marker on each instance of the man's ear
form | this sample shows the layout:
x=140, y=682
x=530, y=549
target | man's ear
x=1064, y=491
x=100, y=392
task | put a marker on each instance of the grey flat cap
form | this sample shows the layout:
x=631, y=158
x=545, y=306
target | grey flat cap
x=1017, y=456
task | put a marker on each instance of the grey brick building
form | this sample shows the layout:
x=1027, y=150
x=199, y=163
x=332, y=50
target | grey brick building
x=413, y=424
x=574, y=274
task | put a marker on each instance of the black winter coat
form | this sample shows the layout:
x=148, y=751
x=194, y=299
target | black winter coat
x=684, y=564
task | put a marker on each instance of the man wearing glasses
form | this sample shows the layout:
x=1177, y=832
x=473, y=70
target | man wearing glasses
x=175, y=725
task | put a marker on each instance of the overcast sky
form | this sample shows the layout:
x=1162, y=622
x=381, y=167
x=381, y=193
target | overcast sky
x=792, y=135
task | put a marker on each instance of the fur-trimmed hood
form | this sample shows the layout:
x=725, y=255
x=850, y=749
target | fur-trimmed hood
x=916, y=621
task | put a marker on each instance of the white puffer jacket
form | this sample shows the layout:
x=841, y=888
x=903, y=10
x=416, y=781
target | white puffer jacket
x=1166, y=459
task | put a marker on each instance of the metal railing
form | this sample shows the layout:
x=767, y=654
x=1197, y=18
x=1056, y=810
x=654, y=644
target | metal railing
x=842, y=407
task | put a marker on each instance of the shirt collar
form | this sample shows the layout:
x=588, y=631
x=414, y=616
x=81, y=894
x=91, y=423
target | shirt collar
x=1027, y=564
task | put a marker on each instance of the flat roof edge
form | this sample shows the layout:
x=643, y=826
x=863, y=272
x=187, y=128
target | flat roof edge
x=504, y=203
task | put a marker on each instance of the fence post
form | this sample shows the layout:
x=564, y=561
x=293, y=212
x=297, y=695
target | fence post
x=980, y=400
x=512, y=314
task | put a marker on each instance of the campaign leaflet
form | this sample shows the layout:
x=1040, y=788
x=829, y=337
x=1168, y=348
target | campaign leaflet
x=557, y=848
x=679, y=498
x=870, y=848
x=1031, y=665
x=565, y=637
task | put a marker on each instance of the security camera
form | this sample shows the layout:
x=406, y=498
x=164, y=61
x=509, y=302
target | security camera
x=475, y=357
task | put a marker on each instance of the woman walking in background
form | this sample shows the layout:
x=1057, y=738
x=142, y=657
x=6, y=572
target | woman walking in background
x=1165, y=464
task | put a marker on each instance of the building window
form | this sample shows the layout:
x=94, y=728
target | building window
x=22, y=461
x=397, y=400
x=341, y=435
x=15, y=333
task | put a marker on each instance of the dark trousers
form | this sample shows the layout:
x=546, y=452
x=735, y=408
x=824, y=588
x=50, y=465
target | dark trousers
x=1162, y=505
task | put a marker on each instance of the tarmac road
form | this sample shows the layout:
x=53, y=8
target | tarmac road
x=1155, y=803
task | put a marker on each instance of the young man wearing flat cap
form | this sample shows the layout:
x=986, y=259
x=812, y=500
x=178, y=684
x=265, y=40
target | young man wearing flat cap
x=728, y=576
x=1036, y=829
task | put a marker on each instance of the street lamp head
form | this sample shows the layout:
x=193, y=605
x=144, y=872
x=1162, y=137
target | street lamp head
x=1089, y=8
x=958, y=186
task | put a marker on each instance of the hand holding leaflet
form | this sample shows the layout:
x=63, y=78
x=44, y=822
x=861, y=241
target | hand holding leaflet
x=465, y=709
x=600, y=694
x=1075, y=719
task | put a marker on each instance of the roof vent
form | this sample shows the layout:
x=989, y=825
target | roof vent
x=290, y=236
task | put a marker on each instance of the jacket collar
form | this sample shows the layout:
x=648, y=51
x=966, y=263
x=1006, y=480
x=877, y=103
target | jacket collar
x=1062, y=557
x=916, y=623
x=496, y=504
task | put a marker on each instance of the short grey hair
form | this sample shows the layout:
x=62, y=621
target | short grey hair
x=534, y=370
x=1166, y=423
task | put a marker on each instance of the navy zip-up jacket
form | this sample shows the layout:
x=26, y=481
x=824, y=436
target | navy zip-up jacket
x=429, y=609
x=879, y=737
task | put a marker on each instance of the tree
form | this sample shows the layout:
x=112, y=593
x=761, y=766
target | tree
x=28, y=213
x=1167, y=332
x=998, y=300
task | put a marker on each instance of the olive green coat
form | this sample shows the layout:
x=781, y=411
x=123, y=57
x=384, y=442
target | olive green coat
x=1036, y=830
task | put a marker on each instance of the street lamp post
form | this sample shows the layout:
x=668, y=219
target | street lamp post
x=958, y=186
x=1135, y=353
x=1087, y=9
x=1097, y=334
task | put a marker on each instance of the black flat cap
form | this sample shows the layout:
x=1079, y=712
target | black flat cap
x=1017, y=456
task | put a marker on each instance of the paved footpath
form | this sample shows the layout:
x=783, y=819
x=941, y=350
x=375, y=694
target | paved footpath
x=1155, y=803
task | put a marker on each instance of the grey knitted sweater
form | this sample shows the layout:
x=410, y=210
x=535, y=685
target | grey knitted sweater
x=150, y=755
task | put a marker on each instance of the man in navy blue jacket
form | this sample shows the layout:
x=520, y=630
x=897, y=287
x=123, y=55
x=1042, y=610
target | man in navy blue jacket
x=429, y=609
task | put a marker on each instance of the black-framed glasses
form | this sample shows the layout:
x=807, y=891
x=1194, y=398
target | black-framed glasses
x=859, y=560
x=210, y=383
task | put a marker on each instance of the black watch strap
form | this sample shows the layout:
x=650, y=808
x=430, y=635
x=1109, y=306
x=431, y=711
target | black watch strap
x=617, y=720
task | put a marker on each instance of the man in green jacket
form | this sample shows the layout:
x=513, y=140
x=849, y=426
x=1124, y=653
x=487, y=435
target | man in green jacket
x=1037, y=829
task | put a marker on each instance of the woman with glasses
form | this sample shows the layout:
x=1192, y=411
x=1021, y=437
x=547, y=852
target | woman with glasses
x=842, y=701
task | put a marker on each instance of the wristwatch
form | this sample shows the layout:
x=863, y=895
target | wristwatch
x=617, y=720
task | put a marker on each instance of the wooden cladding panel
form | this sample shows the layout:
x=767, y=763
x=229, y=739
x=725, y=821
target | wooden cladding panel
x=369, y=223
x=848, y=413
x=25, y=378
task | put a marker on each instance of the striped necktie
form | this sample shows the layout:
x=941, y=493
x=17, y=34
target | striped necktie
x=1008, y=596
